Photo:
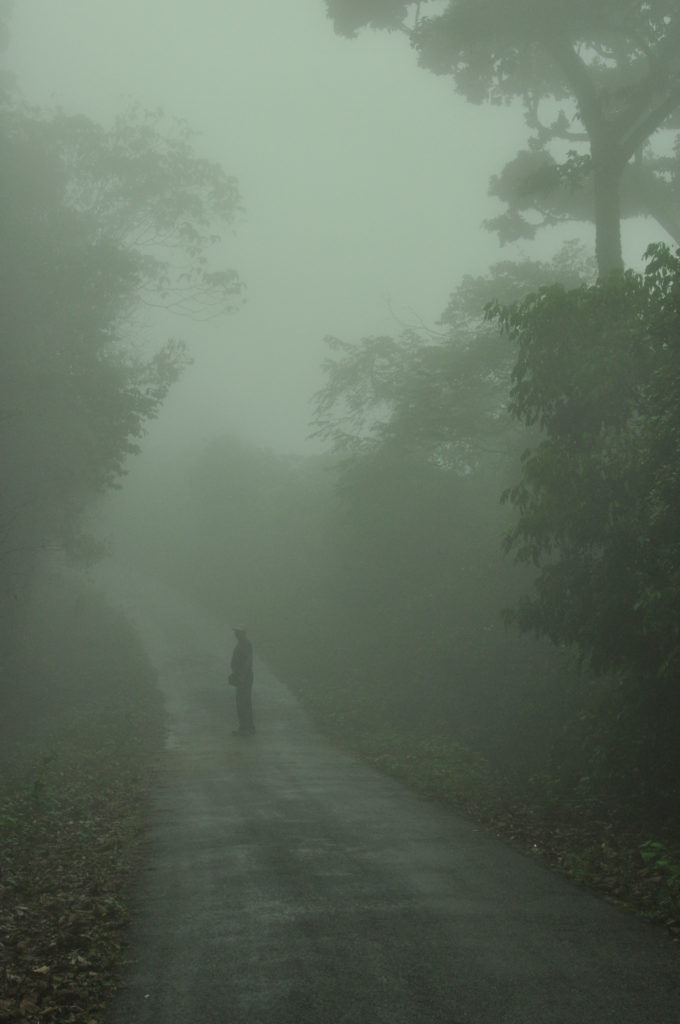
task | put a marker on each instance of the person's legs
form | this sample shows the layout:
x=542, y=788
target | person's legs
x=241, y=710
x=244, y=709
x=249, y=723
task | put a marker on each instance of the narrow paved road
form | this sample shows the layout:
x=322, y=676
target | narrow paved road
x=287, y=883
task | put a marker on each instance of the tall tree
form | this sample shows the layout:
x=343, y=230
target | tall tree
x=96, y=224
x=599, y=76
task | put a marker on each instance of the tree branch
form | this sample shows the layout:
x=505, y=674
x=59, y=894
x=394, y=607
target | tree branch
x=648, y=125
x=664, y=216
x=576, y=72
x=556, y=130
x=658, y=81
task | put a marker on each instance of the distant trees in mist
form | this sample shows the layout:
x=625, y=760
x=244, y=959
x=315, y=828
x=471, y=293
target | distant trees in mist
x=98, y=225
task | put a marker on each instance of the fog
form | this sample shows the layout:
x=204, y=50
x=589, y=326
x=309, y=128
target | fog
x=364, y=180
x=252, y=468
x=360, y=333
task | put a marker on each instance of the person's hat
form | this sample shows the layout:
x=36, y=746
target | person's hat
x=240, y=629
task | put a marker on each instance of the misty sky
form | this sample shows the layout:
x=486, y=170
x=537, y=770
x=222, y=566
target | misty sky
x=364, y=179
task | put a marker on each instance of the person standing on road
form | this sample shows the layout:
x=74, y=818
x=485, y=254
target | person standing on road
x=241, y=676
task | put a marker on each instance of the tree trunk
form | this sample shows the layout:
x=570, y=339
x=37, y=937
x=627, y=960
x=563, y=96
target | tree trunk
x=607, y=184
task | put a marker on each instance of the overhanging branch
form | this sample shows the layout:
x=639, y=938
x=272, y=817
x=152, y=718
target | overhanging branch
x=654, y=119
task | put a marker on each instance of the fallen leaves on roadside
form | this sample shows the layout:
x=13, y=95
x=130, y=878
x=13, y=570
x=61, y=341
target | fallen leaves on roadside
x=69, y=844
x=603, y=854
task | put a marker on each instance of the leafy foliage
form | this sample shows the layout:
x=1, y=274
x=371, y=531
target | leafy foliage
x=143, y=188
x=96, y=224
x=598, y=372
x=443, y=393
x=599, y=78
x=351, y=15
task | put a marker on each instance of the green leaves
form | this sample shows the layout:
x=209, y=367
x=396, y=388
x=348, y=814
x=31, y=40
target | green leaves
x=598, y=369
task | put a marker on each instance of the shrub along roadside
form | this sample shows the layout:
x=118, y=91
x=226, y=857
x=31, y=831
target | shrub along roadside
x=571, y=834
x=72, y=804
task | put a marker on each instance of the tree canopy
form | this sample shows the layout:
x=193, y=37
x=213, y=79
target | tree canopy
x=443, y=393
x=598, y=79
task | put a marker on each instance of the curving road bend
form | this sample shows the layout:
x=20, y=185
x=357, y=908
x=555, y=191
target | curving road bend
x=287, y=883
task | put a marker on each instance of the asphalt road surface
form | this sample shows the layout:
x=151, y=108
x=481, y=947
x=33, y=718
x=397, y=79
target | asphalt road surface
x=287, y=883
